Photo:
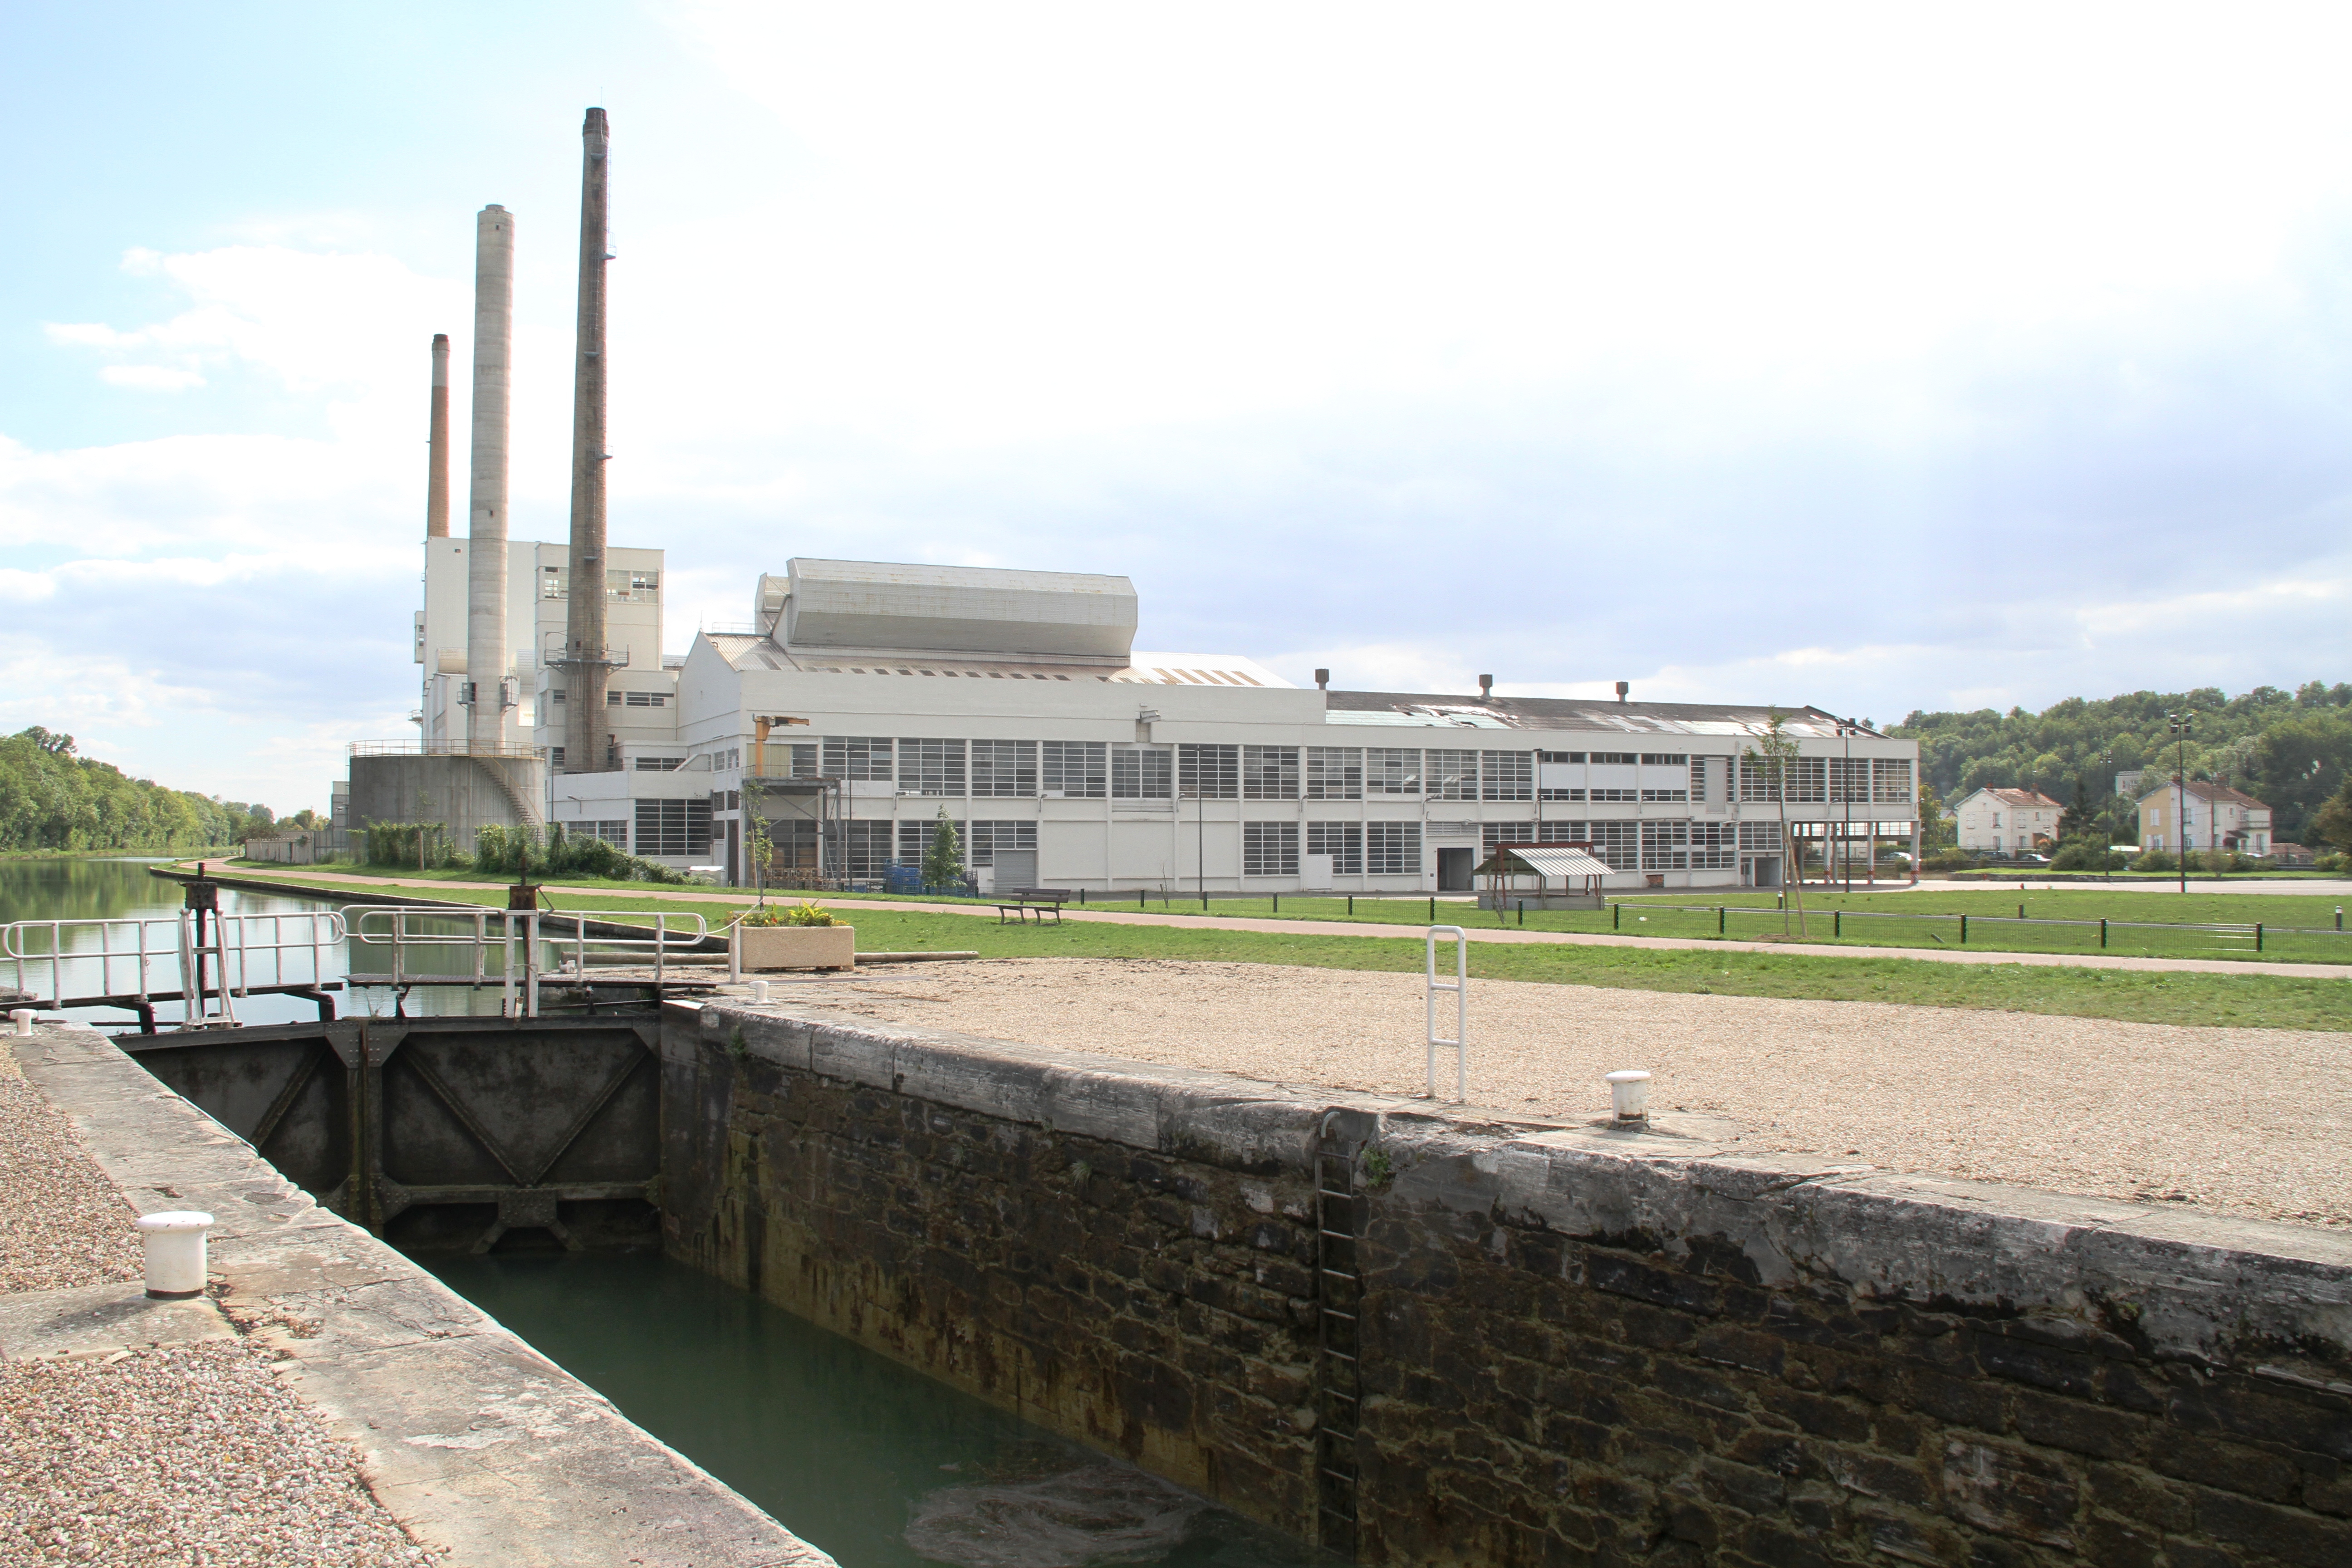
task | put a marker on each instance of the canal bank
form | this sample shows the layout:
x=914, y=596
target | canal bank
x=479, y=1446
x=1434, y=1338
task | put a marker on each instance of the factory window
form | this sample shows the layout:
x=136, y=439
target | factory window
x=1004, y=768
x=1142, y=773
x=1209, y=772
x=1891, y=780
x=1614, y=759
x=646, y=699
x=985, y=838
x=931, y=767
x=612, y=697
x=1343, y=841
x=1619, y=843
x=1713, y=847
x=1616, y=797
x=1759, y=836
x=1698, y=778
x=1563, y=756
x=1559, y=795
x=1392, y=848
x=555, y=758
x=1393, y=770
x=1269, y=849
x=1451, y=776
x=1334, y=773
x=554, y=582
x=631, y=587
x=1271, y=773
x=801, y=757
x=1800, y=779
x=860, y=757
x=1664, y=759
x=555, y=694
x=1849, y=778
x=1074, y=769
x=1495, y=833
x=1507, y=776
x=673, y=829
x=659, y=764
x=1666, y=846
x=1670, y=795
x=862, y=849
x=612, y=830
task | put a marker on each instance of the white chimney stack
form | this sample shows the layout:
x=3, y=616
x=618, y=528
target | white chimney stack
x=486, y=574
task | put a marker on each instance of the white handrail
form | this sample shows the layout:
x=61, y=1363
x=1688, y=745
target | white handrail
x=239, y=943
x=1461, y=989
x=368, y=926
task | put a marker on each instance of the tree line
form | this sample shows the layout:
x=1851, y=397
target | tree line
x=2291, y=751
x=52, y=799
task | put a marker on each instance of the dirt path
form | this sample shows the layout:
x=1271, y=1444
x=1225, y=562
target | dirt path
x=2246, y=1121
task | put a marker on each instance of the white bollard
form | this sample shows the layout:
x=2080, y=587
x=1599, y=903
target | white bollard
x=176, y=1253
x=21, y=1017
x=1629, y=1094
x=758, y=991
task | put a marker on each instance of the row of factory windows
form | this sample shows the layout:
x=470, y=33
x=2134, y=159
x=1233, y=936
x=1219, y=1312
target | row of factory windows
x=1094, y=770
x=671, y=829
x=620, y=587
x=615, y=698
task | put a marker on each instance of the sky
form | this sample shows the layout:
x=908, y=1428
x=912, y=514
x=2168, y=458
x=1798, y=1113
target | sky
x=1858, y=356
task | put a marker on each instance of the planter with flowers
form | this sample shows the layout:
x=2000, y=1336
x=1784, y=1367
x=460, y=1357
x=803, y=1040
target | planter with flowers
x=806, y=936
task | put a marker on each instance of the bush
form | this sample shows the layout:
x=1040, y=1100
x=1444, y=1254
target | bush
x=2332, y=863
x=1952, y=859
x=2155, y=861
x=2085, y=854
x=396, y=844
x=518, y=852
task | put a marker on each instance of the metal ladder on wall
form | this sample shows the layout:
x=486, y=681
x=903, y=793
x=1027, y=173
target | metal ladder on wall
x=1339, y=1299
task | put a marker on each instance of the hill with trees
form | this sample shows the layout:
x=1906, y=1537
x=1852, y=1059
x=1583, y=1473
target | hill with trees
x=52, y=799
x=2291, y=751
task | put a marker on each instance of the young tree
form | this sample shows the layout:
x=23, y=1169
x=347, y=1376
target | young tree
x=756, y=842
x=1774, y=752
x=943, y=861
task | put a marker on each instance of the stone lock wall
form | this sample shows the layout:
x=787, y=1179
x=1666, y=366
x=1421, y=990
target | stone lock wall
x=1523, y=1345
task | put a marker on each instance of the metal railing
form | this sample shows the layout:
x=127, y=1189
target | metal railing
x=441, y=748
x=127, y=949
x=517, y=936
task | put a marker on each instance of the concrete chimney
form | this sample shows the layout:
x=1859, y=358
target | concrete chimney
x=436, y=445
x=486, y=565
x=586, y=664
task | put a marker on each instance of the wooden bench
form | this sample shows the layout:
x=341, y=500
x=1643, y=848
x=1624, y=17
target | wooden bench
x=1022, y=902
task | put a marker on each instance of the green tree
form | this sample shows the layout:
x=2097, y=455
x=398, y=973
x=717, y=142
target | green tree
x=2332, y=822
x=1775, y=755
x=758, y=848
x=943, y=861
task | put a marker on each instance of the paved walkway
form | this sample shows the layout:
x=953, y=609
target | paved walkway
x=1475, y=933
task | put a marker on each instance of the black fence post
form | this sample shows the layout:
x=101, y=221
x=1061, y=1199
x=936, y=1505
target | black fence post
x=1964, y=931
x=1837, y=924
x=2103, y=932
x=1351, y=906
x=1433, y=910
x=1277, y=903
x=1616, y=917
x=2258, y=936
x=1721, y=915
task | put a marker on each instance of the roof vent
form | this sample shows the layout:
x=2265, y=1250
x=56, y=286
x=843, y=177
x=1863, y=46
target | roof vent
x=1485, y=686
x=1322, y=681
x=1622, y=688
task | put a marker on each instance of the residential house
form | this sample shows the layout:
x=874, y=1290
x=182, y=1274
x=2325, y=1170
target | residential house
x=2008, y=821
x=2216, y=817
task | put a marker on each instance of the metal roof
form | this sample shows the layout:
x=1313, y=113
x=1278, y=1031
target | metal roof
x=1544, y=860
x=1595, y=715
x=747, y=651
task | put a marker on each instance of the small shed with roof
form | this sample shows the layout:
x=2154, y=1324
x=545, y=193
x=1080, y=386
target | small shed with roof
x=1565, y=875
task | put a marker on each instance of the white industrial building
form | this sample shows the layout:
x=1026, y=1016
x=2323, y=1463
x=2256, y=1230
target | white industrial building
x=866, y=699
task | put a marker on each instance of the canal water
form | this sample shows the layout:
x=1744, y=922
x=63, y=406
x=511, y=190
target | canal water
x=875, y=1463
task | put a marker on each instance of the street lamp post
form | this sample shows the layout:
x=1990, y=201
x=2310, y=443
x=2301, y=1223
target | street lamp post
x=2179, y=723
x=1845, y=792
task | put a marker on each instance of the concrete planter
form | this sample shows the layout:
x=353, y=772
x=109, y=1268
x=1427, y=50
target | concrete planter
x=797, y=947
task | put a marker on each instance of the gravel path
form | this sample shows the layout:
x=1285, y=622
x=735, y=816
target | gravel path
x=183, y=1455
x=62, y=1223
x=188, y=1455
x=2246, y=1121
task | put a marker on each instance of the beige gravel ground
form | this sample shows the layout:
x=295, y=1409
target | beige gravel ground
x=182, y=1456
x=62, y=1223
x=2246, y=1121
x=189, y=1455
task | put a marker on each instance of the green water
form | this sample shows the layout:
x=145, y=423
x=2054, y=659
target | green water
x=847, y=1450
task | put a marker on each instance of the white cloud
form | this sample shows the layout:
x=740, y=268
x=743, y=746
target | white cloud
x=151, y=377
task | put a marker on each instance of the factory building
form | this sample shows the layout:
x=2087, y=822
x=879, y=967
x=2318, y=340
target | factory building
x=865, y=699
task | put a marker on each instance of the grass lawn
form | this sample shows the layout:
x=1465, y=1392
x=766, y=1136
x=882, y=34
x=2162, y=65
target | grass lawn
x=2247, y=1001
